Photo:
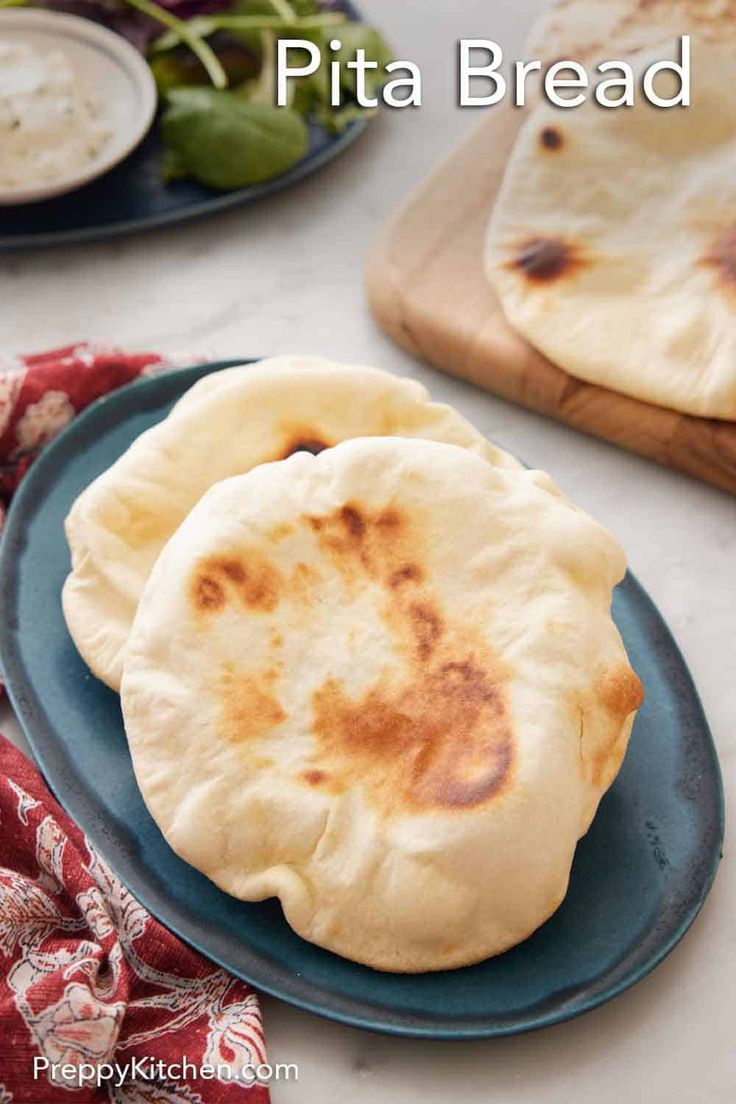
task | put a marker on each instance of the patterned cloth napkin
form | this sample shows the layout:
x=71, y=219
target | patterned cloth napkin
x=39, y=394
x=88, y=979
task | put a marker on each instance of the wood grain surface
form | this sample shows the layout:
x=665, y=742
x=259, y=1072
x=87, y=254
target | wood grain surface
x=427, y=290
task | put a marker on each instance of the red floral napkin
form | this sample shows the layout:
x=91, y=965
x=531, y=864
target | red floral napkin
x=39, y=394
x=88, y=979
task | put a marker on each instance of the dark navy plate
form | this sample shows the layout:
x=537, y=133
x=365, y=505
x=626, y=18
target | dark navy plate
x=640, y=875
x=133, y=196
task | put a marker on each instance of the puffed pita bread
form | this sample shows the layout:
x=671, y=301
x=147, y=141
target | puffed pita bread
x=612, y=245
x=591, y=30
x=383, y=684
x=225, y=425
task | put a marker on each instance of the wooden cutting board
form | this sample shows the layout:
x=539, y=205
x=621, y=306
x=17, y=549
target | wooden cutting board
x=428, y=292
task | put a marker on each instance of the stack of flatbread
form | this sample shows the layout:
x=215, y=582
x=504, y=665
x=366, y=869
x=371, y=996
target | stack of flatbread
x=366, y=660
x=612, y=245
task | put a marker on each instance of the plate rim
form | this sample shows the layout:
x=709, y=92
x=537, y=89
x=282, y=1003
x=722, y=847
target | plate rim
x=53, y=761
x=213, y=205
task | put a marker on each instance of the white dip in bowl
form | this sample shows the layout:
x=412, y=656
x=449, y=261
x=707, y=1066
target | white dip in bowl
x=75, y=99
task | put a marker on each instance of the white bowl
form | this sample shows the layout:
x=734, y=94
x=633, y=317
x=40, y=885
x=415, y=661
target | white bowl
x=119, y=76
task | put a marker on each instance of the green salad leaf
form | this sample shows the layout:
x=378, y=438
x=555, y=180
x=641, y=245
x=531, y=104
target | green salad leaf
x=240, y=136
x=195, y=42
x=225, y=141
x=359, y=36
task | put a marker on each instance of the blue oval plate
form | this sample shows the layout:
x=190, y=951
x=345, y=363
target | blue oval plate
x=133, y=196
x=640, y=875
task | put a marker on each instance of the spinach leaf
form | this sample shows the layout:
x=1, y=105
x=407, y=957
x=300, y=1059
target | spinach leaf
x=359, y=36
x=225, y=141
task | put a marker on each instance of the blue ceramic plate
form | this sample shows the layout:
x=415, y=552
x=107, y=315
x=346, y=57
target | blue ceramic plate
x=133, y=196
x=640, y=875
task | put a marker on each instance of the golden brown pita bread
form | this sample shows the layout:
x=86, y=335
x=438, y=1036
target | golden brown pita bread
x=383, y=684
x=612, y=245
x=225, y=425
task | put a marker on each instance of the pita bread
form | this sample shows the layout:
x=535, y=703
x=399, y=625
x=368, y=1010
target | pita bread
x=612, y=245
x=383, y=684
x=225, y=425
x=590, y=30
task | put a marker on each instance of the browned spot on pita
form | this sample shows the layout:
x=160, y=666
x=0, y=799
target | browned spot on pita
x=435, y=730
x=300, y=437
x=360, y=542
x=244, y=578
x=619, y=690
x=409, y=573
x=234, y=571
x=207, y=595
x=314, y=777
x=442, y=740
x=550, y=138
x=388, y=521
x=312, y=445
x=353, y=522
x=250, y=707
x=427, y=627
x=722, y=257
x=544, y=260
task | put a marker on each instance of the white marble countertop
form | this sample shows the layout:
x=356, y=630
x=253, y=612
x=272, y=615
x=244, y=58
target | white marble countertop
x=286, y=276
